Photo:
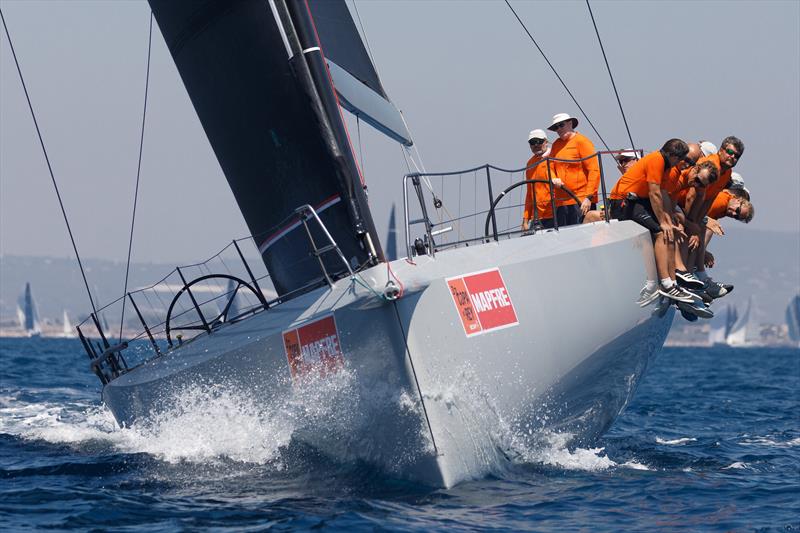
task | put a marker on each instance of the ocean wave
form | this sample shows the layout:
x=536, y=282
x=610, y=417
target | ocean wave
x=675, y=442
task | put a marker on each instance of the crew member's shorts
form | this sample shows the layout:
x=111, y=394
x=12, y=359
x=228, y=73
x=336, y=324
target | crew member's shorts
x=568, y=215
x=639, y=210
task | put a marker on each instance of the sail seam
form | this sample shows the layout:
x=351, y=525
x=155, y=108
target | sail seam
x=272, y=239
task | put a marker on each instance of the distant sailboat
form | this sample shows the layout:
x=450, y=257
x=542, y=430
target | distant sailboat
x=28, y=314
x=67, y=330
x=793, y=319
x=722, y=325
x=738, y=334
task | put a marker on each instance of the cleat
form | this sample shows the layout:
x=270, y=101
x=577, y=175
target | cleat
x=647, y=297
x=699, y=311
x=714, y=289
x=688, y=280
x=677, y=294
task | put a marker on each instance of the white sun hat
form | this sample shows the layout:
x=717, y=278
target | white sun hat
x=561, y=117
x=708, y=148
x=537, y=134
x=737, y=182
x=630, y=154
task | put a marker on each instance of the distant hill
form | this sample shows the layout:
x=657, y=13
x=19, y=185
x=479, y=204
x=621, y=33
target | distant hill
x=765, y=264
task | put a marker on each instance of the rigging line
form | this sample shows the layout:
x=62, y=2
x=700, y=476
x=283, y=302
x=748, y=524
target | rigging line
x=614, y=85
x=138, y=174
x=49, y=167
x=364, y=33
x=557, y=76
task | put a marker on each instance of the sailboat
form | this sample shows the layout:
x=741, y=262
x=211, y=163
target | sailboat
x=738, y=333
x=793, y=320
x=67, y=330
x=28, y=313
x=721, y=325
x=496, y=326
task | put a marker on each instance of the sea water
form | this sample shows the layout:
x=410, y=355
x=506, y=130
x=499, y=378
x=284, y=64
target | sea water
x=711, y=441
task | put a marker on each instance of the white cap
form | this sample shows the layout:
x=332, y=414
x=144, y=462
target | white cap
x=708, y=148
x=537, y=134
x=561, y=117
x=737, y=182
x=630, y=154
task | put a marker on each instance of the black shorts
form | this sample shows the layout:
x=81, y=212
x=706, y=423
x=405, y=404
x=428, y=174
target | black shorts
x=638, y=210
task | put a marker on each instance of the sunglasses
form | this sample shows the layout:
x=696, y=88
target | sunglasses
x=738, y=212
x=562, y=124
x=689, y=161
x=536, y=142
x=732, y=153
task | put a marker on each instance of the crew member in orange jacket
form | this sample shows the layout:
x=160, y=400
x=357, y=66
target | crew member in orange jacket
x=582, y=178
x=638, y=196
x=697, y=204
x=537, y=140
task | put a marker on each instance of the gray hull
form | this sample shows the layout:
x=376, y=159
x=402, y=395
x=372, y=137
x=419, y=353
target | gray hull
x=417, y=393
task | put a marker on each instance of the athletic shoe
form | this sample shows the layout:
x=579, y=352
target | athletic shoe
x=698, y=310
x=661, y=307
x=714, y=289
x=646, y=297
x=728, y=287
x=691, y=317
x=703, y=295
x=676, y=293
x=688, y=280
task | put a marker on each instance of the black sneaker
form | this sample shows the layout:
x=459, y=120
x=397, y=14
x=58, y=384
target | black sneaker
x=728, y=287
x=688, y=280
x=698, y=310
x=714, y=289
x=661, y=307
x=691, y=317
x=703, y=295
x=676, y=293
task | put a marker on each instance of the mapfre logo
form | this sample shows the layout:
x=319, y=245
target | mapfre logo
x=314, y=347
x=482, y=301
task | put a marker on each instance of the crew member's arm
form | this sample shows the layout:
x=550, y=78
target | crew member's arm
x=656, y=201
x=592, y=170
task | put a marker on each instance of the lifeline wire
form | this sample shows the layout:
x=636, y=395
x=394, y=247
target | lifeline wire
x=614, y=85
x=138, y=173
x=49, y=167
x=557, y=76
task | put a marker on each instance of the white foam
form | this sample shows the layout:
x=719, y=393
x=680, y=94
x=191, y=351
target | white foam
x=737, y=466
x=768, y=441
x=675, y=442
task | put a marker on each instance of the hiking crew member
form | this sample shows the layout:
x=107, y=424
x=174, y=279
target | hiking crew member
x=696, y=206
x=582, y=178
x=638, y=196
x=537, y=140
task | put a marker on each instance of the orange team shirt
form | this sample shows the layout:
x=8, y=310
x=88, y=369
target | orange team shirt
x=581, y=178
x=719, y=208
x=543, y=203
x=712, y=190
x=649, y=169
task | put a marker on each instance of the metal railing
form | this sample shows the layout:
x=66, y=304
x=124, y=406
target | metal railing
x=194, y=299
x=460, y=191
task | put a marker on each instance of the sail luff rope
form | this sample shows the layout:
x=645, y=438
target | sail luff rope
x=47, y=160
x=138, y=174
x=613, y=84
x=557, y=75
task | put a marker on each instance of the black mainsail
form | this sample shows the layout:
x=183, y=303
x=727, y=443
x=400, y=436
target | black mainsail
x=258, y=80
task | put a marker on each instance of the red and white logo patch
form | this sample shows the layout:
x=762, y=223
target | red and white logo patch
x=482, y=301
x=314, y=347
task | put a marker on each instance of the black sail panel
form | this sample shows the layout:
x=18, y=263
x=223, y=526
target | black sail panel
x=342, y=43
x=260, y=119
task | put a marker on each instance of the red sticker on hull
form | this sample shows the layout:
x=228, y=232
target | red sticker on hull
x=314, y=347
x=482, y=302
